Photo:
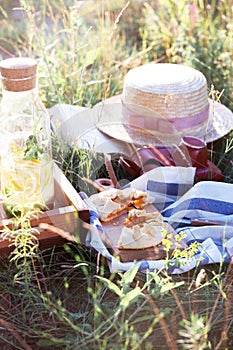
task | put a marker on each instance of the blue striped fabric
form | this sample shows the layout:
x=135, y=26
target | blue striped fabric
x=203, y=204
x=171, y=189
x=165, y=184
x=205, y=200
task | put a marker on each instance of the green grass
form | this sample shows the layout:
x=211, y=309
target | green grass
x=66, y=298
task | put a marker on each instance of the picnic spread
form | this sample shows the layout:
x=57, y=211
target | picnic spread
x=158, y=129
x=200, y=203
x=177, y=201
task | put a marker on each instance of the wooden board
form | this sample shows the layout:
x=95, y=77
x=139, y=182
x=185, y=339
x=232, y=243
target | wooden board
x=68, y=214
x=113, y=229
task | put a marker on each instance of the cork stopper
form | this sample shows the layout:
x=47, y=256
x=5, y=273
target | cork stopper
x=18, y=73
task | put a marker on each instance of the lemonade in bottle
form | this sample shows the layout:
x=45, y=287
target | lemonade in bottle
x=25, y=144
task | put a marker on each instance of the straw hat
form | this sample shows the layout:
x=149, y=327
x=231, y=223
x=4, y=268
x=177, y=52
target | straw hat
x=163, y=102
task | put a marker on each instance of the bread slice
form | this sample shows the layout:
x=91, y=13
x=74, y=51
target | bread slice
x=111, y=203
x=141, y=230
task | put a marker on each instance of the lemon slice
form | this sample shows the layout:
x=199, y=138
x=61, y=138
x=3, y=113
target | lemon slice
x=27, y=181
x=24, y=176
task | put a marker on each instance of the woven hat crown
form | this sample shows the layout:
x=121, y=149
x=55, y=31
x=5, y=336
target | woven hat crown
x=165, y=90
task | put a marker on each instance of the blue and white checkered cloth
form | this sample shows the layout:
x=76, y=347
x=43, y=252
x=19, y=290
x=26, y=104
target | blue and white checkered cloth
x=177, y=198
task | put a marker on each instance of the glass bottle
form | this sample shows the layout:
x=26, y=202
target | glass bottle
x=25, y=142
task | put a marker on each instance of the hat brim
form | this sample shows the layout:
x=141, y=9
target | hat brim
x=111, y=122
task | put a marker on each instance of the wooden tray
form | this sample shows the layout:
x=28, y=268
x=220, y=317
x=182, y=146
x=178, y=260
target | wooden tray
x=67, y=216
x=112, y=230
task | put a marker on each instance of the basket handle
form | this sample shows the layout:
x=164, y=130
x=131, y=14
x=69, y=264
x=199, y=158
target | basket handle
x=110, y=170
x=129, y=165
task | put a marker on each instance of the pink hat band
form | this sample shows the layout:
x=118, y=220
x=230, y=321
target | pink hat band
x=164, y=125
